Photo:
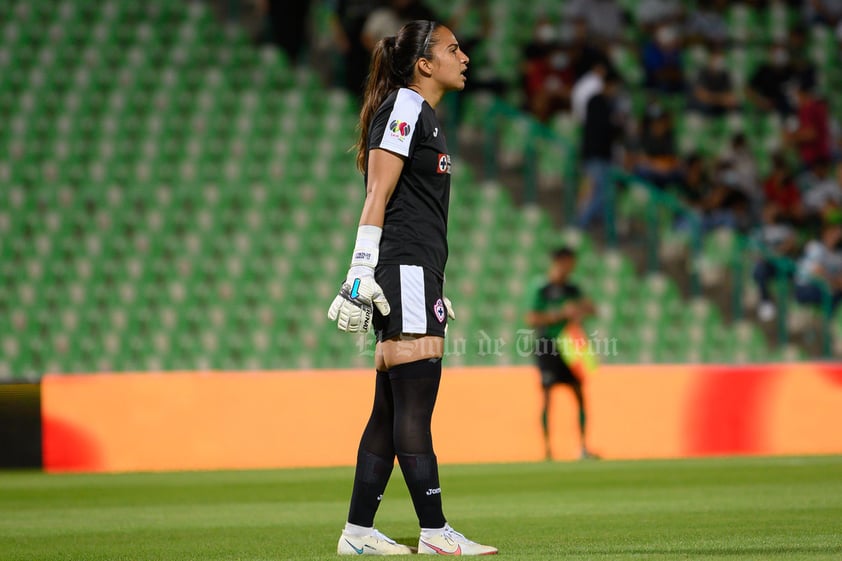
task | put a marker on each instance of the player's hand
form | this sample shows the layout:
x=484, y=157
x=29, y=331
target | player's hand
x=353, y=306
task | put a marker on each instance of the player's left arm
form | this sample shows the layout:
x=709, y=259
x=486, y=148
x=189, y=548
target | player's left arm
x=384, y=171
x=352, y=307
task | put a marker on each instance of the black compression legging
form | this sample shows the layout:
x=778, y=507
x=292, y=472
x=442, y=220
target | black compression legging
x=399, y=425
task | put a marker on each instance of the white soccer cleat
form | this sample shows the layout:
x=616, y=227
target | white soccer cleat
x=376, y=543
x=448, y=541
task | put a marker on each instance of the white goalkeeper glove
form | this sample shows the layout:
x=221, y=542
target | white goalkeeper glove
x=354, y=305
x=449, y=307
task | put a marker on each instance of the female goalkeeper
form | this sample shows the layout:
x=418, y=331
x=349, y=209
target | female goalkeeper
x=395, y=281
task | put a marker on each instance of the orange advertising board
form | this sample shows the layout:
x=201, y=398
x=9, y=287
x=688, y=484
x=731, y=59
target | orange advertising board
x=233, y=420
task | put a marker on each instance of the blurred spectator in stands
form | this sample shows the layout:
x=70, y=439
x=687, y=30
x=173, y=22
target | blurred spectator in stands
x=727, y=205
x=694, y=186
x=820, y=269
x=287, y=24
x=781, y=196
x=585, y=88
x=804, y=71
x=663, y=63
x=708, y=23
x=778, y=234
x=545, y=37
x=347, y=23
x=693, y=189
x=822, y=193
x=652, y=13
x=603, y=128
x=743, y=164
x=658, y=160
x=713, y=90
x=825, y=12
x=719, y=202
x=605, y=18
x=809, y=134
x=549, y=81
x=387, y=20
x=778, y=239
x=584, y=52
x=767, y=86
x=548, y=73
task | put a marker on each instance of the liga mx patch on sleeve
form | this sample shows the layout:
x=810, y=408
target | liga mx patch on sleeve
x=444, y=164
x=400, y=129
x=402, y=123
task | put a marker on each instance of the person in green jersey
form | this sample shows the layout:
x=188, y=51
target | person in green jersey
x=556, y=303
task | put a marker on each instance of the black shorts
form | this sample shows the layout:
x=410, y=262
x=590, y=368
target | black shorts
x=415, y=297
x=553, y=368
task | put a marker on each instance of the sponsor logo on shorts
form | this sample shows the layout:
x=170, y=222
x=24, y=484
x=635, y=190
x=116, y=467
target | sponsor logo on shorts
x=439, y=310
x=443, y=164
x=400, y=129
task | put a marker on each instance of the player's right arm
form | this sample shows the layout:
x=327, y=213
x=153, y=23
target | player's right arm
x=352, y=307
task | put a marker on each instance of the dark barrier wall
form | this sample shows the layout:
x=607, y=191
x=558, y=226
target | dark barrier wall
x=20, y=426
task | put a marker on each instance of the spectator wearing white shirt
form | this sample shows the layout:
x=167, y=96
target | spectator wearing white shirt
x=823, y=191
x=585, y=88
x=820, y=269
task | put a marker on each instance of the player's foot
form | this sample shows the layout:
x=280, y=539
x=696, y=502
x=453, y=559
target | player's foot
x=374, y=543
x=447, y=541
x=588, y=455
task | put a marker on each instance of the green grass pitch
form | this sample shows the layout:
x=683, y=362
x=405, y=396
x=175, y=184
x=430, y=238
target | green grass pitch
x=740, y=508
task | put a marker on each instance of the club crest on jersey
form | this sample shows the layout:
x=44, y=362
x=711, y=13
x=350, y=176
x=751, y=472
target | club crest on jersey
x=443, y=164
x=439, y=310
x=400, y=129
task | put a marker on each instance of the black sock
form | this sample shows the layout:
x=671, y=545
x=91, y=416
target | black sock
x=421, y=472
x=370, y=482
x=375, y=456
x=414, y=388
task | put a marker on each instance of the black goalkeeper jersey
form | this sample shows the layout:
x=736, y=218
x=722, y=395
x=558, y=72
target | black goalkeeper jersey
x=415, y=225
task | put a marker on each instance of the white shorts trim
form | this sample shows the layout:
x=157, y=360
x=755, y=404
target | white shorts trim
x=413, y=299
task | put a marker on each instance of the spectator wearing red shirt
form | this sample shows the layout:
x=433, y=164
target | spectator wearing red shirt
x=548, y=74
x=781, y=194
x=811, y=135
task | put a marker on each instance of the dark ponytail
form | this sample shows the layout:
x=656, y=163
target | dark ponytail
x=392, y=67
